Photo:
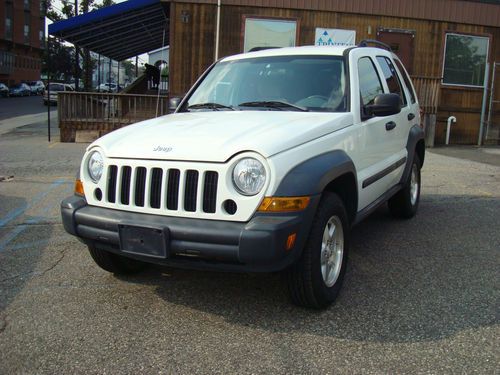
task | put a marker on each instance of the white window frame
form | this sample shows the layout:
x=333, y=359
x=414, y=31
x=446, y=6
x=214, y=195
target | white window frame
x=444, y=60
x=269, y=19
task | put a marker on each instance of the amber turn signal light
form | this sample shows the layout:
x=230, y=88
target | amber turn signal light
x=291, y=241
x=79, y=188
x=284, y=204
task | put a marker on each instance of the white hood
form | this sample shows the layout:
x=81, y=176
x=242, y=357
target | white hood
x=218, y=135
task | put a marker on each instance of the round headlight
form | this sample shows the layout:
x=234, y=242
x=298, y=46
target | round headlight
x=249, y=176
x=95, y=166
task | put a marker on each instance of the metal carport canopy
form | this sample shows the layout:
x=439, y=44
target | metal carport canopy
x=119, y=31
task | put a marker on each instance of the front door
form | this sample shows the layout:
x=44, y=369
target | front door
x=401, y=43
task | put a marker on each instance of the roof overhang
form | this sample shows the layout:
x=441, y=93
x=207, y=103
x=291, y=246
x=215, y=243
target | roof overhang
x=119, y=31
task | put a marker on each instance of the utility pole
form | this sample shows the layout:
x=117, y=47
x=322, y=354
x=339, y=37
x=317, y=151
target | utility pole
x=99, y=71
x=109, y=73
x=77, y=56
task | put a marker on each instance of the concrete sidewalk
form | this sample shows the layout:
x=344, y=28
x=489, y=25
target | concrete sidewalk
x=486, y=154
x=10, y=124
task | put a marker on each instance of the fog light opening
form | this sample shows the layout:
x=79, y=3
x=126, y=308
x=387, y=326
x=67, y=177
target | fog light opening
x=98, y=194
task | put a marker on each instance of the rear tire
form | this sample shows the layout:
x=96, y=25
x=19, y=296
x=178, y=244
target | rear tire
x=404, y=204
x=314, y=281
x=116, y=264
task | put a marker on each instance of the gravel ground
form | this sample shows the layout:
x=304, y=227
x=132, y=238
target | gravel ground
x=420, y=296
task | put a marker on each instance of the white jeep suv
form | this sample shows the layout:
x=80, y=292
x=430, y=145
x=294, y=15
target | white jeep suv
x=265, y=165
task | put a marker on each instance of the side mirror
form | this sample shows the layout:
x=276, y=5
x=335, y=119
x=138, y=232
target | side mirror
x=384, y=105
x=173, y=103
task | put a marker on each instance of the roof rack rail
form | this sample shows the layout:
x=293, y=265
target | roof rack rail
x=365, y=42
x=255, y=49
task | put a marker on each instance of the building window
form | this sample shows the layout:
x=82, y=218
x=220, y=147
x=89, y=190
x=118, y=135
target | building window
x=27, y=4
x=465, y=58
x=269, y=32
x=26, y=28
x=8, y=21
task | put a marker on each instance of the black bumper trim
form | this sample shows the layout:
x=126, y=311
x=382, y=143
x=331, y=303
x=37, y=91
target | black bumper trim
x=254, y=246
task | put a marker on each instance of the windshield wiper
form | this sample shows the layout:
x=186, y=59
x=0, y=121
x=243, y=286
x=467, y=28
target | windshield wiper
x=214, y=106
x=273, y=104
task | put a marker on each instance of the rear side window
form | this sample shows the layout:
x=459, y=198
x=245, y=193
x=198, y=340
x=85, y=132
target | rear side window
x=369, y=81
x=407, y=81
x=56, y=87
x=391, y=77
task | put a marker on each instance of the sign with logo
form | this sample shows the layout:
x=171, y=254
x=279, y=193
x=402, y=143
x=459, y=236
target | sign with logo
x=334, y=37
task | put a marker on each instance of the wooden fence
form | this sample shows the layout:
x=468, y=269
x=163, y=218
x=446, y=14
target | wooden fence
x=427, y=89
x=102, y=113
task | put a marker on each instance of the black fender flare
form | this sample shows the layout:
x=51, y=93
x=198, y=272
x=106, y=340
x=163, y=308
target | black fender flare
x=313, y=175
x=416, y=135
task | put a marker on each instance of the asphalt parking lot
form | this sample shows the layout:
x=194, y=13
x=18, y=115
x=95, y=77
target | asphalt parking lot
x=420, y=296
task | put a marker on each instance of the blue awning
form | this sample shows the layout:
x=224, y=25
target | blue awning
x=119, y=31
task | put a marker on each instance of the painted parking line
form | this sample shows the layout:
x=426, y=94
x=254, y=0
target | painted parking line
x=11, y=235
x=24, y=207
x=21, y=228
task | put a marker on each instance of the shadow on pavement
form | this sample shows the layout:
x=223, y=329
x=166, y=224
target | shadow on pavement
x=408, y=281
x=18, y=264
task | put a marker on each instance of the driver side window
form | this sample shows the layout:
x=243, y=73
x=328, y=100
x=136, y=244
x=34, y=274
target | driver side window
x=369, y=82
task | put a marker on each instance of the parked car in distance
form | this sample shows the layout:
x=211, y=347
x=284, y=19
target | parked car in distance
x=108, y=87
x=21, y=89
x=4, y=90
x=54, y=89
x=37, y=87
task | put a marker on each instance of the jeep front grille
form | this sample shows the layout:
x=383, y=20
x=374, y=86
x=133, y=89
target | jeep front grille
x=163, y=189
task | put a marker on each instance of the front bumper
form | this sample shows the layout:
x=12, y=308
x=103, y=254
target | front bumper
x=255, y=246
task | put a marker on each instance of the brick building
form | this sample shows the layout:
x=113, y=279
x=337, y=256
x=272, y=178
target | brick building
x=22, y=28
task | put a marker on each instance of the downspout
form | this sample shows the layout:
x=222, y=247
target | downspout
x=217, y=31
x=48, y=87
x=483, y=107
x=451, y=120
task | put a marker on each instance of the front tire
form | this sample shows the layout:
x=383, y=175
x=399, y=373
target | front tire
x=404, y=204
x=117, y=264
x=316, y=279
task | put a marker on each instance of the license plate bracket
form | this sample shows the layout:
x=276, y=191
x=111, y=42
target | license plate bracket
x=147, y=241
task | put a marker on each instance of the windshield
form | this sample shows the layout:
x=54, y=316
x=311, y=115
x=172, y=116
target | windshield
x=56, y=87
x=313, y=83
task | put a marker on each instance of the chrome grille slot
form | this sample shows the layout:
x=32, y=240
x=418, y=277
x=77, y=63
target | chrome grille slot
x=140, y=186
x=210, y=191
x=125, y=185
x=155, y=194
x=111, y=193
x=173, y=189
x=191, y=188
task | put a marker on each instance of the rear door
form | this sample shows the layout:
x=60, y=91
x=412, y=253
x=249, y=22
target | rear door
x=394, y=84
